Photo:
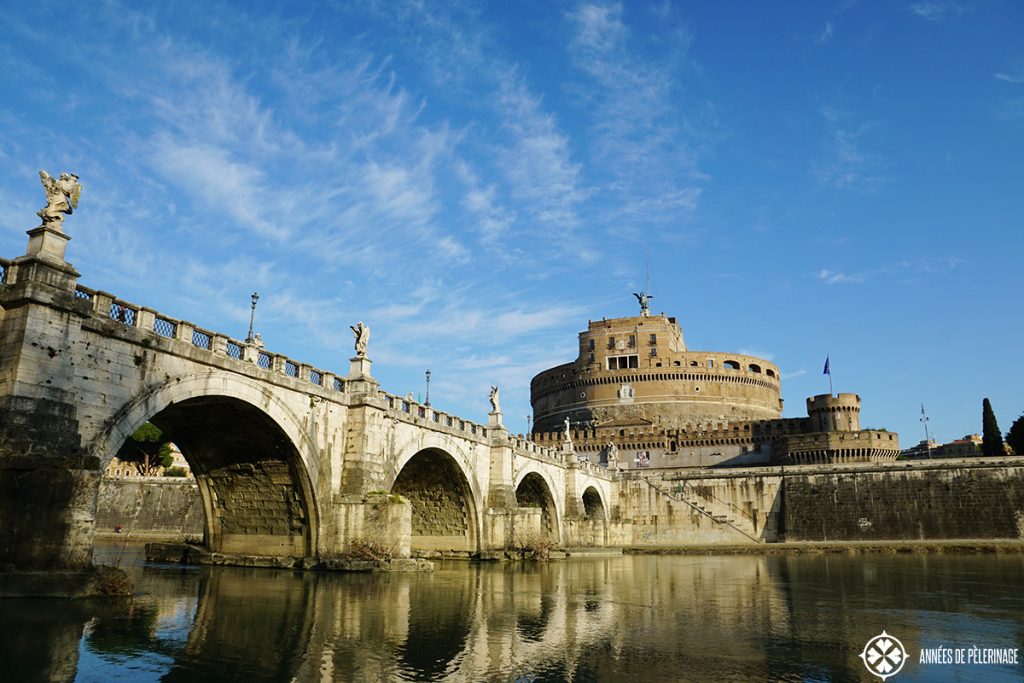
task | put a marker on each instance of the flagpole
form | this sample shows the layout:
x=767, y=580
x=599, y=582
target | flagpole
x=828, y=371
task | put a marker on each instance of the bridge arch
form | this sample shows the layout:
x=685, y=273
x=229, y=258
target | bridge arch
x=250, y=454
x=593, y=504
x=445, y=497
x=534, y=487
x=593, y=529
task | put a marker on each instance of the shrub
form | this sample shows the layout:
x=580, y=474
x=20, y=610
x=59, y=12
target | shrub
x=531, y=548
x=174, y=472
x=365, y=549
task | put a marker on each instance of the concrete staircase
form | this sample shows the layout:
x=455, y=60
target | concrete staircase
x=716, y=511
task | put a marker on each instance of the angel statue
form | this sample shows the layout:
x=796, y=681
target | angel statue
x=645, y=302
x=362, y=333
x=495, y=401
x=61, y=197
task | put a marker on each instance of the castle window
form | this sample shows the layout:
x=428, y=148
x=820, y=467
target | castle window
x=623, y=362
x=711, y=363
x=654, y=339
x=611, y=342
x=693, y=364
x=769, y=372
x=632, y=340
x=731, y=364
x=590, y=358
x=654, y=352
x=754, y=367
x=590, y=344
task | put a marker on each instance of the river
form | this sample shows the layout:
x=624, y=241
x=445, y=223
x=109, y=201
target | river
x=620, y=618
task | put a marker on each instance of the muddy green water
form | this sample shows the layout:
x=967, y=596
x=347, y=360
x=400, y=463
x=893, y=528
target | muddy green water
x=629, y=618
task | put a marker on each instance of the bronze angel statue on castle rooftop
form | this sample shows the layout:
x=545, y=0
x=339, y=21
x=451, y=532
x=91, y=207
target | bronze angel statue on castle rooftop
x=61, y=198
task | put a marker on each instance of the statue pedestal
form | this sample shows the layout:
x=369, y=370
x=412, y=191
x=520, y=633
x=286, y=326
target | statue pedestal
x=494, y=419
x=44, y=260
x=47, y=243
x=359, y=368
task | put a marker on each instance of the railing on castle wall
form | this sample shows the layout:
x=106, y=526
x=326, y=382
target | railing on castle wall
x=109, y=307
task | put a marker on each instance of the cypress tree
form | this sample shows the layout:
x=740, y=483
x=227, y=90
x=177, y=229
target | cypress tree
x=991, y=437
x=1015, y=437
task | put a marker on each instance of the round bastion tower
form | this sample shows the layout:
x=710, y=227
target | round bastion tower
x=637, y=371
x=829, y=413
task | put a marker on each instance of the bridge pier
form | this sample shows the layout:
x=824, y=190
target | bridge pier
x=48, y=483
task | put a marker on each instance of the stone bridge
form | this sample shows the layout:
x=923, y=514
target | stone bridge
x=291, y=460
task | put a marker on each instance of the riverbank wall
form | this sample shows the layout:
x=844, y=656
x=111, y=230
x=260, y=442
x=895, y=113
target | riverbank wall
x=150, y=505
x=970, y=498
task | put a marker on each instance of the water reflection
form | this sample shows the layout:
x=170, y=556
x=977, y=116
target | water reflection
x=789, y=618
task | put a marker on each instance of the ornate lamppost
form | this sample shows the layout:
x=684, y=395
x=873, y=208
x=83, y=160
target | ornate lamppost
x=428, y=389
x=252, y=314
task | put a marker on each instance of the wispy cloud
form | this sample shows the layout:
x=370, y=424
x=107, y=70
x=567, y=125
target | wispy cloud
x=767, y=355
x=643, y=132
x=825, y=35
x=794, y=374
x=1010, y=77
x=1011, y=110
x=831, y=277
x=936, y=10
x=538, y=162
x=907, y=268
x=848, y=161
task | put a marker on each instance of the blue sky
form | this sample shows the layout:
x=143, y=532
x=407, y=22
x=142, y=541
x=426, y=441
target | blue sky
x=477, y=180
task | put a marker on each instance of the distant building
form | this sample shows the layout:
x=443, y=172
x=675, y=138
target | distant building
x=967, y=447
x=120, y=468
x=636, y=386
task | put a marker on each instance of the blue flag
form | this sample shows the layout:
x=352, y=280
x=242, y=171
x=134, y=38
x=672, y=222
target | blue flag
x=826, y=371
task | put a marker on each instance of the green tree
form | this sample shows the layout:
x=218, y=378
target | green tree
x=147, y=450
x=991, y=437
x=1015, y=437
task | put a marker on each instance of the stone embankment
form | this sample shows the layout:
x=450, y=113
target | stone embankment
x=941, y=505
x=186, y=553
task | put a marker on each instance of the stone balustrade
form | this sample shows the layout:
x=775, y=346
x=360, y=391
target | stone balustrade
x=107, y=306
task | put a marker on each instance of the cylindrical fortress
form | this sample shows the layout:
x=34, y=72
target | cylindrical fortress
x=634, y=371
x=834, y=413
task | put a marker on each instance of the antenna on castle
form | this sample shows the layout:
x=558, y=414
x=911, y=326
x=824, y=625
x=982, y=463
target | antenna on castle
x=927, y=439
x=647, y=273
x=645, y=297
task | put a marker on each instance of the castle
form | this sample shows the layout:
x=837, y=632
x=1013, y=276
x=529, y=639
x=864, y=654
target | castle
x=637, y=397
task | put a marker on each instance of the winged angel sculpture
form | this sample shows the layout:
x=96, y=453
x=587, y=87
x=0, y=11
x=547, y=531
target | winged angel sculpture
x=362, y=340
x=61, y=198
